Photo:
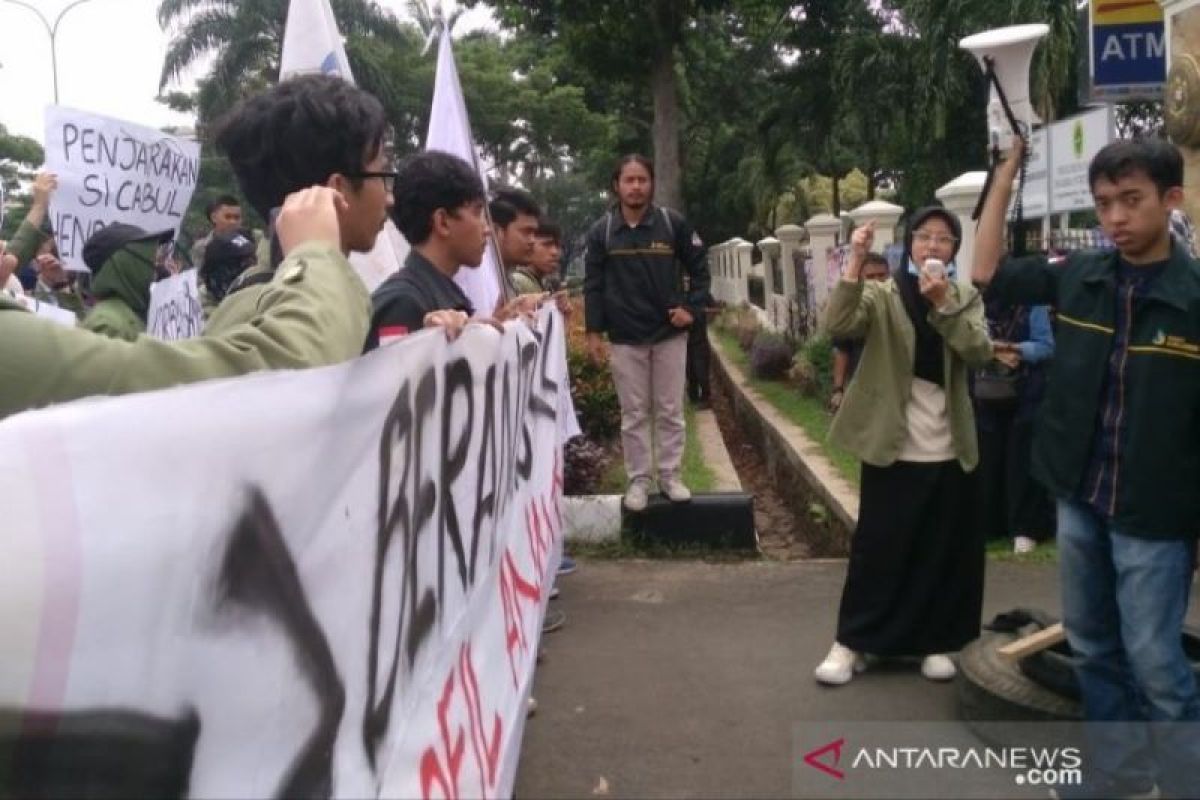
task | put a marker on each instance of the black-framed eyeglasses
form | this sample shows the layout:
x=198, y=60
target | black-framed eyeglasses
x=389, y=178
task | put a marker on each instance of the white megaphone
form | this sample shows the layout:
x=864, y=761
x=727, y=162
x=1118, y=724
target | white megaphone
x=1009, y=51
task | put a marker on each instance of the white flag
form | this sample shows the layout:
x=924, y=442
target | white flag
x=311, y=43
x=450, y=132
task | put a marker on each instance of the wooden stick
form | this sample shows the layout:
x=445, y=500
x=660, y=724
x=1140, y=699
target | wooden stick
x=1033, y=643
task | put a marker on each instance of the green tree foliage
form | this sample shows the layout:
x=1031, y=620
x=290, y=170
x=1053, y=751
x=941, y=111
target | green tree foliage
x=20, y=157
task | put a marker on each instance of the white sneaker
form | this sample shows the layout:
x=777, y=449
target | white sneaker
x=938, y=668
x=1023, y=544
x=674, y=489
x=636, y=496
x=839, y=666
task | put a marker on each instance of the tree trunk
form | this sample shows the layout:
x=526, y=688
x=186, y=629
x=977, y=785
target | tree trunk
x=668, y=179
x=836, y=200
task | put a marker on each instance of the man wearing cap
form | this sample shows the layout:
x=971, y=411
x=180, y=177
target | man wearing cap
x=121, y=258
x=227, y=256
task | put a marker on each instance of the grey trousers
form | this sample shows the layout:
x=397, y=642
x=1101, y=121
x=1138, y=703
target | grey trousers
x=650, y=381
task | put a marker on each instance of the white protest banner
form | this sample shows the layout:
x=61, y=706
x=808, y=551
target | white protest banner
x=111, y=171
x=53, y=313
x=312, y=43
x=338, y=592
x=175, y=311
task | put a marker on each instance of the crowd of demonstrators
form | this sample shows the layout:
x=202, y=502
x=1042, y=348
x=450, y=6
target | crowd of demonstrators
x=1118, y=445
x=1012, y=504
x=914, y=586
x=847, y=352
x=635, y=295
x=325, y=171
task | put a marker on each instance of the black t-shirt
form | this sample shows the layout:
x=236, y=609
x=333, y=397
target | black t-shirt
x=401, y=302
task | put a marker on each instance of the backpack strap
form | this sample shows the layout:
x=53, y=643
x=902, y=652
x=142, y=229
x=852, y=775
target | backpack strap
x=608, y=223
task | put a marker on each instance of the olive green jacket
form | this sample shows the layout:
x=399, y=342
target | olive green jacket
x=26, y=241
x=872, y=423
x=316, y=312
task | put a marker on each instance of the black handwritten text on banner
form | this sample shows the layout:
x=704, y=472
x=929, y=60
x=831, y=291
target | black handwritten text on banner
x=111, y=171
x=350, y=607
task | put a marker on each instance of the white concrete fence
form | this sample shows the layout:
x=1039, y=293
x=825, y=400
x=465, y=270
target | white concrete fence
x=732, y=263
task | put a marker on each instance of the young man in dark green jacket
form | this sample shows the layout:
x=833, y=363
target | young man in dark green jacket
x=1118, y=443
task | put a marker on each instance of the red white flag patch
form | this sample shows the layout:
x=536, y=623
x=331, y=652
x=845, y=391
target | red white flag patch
x=392, y=333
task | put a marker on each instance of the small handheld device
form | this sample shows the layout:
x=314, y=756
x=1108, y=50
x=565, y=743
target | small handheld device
x=934, y=269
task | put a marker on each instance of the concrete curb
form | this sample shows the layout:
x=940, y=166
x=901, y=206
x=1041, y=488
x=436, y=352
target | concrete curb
x=592, y=518
x=787, y=444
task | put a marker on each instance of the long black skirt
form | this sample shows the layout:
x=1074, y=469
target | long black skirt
x=915, y=580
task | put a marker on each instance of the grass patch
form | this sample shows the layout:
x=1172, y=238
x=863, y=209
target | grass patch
x=696, y=473
x=1001, y=550
x=808, y=413
x=630, y=546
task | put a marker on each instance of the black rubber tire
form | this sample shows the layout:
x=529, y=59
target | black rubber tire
x=991, y=690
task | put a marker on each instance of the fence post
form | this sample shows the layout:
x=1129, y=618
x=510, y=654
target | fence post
x=959, y=196
x=823, y=233
x=743, y=263
x=885, y=214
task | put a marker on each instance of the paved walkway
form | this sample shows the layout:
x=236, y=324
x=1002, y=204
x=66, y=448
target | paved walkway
x=685, y=679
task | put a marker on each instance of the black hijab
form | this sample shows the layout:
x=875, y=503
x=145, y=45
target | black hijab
x=928, y=361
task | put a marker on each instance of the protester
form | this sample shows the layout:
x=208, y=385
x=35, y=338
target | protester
x=305, y=131
x=121, y=258
x=9, y=284
x=1007, y=393
x=226, y=257
x=547, y=254
x=633, y=292
x=1118, y=445
x=914, y=586
x=539, y=274
x=439, y=210
x=53, y=284
x=847, y=352
x=31, y=233
x=224, y=213
x=699, y=355
x=302, y=320
x=515, y=217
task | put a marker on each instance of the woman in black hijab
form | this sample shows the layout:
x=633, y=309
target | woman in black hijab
x=915, y=582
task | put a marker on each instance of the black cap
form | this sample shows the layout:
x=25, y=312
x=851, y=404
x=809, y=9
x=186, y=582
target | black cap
x=918, y=218
x=229, y=247
x=100, y=247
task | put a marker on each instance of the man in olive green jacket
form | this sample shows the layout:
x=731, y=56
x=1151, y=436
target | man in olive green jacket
x=308, y=316
x=328, y=159
x=871, y=423
x=121, y=258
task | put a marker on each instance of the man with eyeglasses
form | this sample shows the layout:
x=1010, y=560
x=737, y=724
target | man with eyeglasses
x=322, y=132
x=121, y=258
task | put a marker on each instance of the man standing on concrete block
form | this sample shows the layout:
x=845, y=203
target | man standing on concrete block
x=634, y=292
x=1117, y=441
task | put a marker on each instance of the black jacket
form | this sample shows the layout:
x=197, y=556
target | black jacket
x=1158, y=485
x=633, y=275
x=400, y=303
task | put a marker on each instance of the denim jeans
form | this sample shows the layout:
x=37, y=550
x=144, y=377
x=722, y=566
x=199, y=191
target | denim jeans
x=1124, y=603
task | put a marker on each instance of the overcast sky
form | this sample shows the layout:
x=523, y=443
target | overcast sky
x=110, y=54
